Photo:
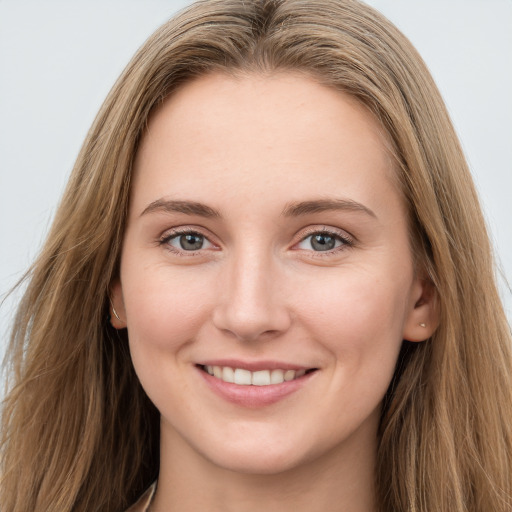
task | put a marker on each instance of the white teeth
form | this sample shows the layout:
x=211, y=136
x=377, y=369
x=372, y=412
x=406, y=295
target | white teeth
x=243, y=377
x=259, y=378
x=228, y=374
x=277, y=377
x=289, y=375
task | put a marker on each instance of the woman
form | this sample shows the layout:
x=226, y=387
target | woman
x=267, y=232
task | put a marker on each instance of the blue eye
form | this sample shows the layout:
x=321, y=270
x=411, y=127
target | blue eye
x=188, y=242
x=322, y=241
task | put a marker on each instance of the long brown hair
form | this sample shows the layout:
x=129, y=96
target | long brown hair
x=78, y=432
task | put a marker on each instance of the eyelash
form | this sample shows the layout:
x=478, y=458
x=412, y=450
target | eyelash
x=176, y=233
x=346, y=241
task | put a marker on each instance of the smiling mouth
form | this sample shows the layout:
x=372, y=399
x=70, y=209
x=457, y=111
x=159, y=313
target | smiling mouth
x=245, y=377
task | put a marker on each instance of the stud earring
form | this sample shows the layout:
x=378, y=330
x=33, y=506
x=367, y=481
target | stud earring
x=114, y=309
x=421, y=325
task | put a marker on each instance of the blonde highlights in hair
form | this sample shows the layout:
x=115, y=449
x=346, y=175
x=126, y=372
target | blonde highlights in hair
x=78, y=432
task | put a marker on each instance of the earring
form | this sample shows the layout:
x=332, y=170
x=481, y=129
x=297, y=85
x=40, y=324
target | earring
x=421, y=325
x=114, y=309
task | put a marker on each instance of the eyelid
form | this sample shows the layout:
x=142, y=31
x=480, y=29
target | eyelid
x=185, y=229
x=174, y=232
x=347, y=239
x=322, y=228
x=177, y=236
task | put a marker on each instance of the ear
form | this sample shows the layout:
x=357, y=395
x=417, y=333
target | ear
x=423, y=316
x=117, y=310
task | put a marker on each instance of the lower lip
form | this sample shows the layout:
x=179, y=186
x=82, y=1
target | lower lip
x=254, y=396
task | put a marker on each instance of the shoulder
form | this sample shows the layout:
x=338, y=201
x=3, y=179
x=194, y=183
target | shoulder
x=143, y=502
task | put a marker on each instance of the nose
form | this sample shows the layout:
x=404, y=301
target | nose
x=251, y=303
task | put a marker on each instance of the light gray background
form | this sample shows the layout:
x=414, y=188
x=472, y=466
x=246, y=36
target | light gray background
x=58, y=59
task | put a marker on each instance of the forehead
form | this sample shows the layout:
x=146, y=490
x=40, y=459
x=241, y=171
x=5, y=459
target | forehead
x=283, y=132
x=263, y=102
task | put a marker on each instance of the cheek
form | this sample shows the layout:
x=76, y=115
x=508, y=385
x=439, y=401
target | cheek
x=359, y=318
x=164, y=309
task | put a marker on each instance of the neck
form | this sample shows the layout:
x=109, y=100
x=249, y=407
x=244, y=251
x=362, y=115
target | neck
x=341, y=480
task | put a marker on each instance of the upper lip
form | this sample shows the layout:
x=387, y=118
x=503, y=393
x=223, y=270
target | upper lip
x=254, y=366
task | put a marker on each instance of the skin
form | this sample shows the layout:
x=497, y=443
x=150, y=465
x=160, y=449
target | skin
x=250, y=148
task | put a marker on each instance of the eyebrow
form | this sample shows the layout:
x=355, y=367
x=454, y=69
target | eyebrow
x=186, y=207
x=298, y=209
x=295, y=209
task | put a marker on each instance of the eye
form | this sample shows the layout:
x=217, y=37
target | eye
x=189, y=241
x=323, y=241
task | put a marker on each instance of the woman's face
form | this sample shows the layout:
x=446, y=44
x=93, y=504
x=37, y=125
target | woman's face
x=266, y=244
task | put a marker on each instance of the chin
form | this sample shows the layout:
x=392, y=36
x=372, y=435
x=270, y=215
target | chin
x=257, y=462
x=261, y=454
